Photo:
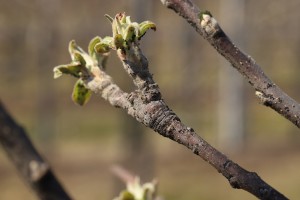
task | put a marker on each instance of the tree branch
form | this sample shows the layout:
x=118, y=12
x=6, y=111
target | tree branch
x=266, y=90
x=31, y=166
x=145, y=103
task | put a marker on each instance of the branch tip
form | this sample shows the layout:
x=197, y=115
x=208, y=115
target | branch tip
x=37, y=170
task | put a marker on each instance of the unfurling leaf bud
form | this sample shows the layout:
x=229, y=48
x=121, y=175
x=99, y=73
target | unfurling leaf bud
x=81, y=94
x=92, y=44
x=144, y=27
x=101, y=48
x=74, y=69
x=119, y=41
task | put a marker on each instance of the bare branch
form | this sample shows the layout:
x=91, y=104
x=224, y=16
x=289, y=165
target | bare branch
x=31, y=166
x=268, y=92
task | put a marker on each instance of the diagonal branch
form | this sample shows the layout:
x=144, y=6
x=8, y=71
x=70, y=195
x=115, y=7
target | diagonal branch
x=35, y=171
x=266, y=90
x=146, y=105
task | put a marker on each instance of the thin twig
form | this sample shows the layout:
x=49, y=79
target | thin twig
x=266, y=90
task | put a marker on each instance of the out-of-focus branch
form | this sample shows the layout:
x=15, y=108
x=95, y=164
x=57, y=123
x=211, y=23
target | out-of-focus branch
x=266, y=90
x=146, y=105
x=35, y=171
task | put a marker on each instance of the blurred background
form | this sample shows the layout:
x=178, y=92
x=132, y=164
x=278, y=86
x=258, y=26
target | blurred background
x=83, y=143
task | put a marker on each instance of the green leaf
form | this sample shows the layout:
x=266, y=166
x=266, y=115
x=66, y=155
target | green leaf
x=144, y=27
x=78, y=57
x=92, y=44
x=107, y=40
x=102, y=48
x=131, y=32
x=74, y=48
x=73, y=69
x=81, y=94
x=118, y=41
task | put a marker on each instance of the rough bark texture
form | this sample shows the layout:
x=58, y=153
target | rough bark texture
x=266, y=90
x=31, y=166
x=146, y=105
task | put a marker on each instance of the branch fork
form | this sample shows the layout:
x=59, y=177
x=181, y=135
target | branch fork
x=145, y=103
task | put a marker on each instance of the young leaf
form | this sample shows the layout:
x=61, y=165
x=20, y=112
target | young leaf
x=81, y=95
x=78, y=57
x=144, y=27
x=92, y=44
x=101, y=48
x=74, y=48
x=130, y=33
x=73, y=69
x=118, y=41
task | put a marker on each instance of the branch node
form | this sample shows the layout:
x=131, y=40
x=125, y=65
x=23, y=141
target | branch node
x=37, y=170
x=234, y=182
x=209, y=23
x=264, y=99
x=190, y=129
x=227, y=164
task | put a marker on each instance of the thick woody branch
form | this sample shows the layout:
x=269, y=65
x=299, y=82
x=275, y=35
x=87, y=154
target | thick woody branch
x=147, y=106
x=35, y=171
x=268, y=92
